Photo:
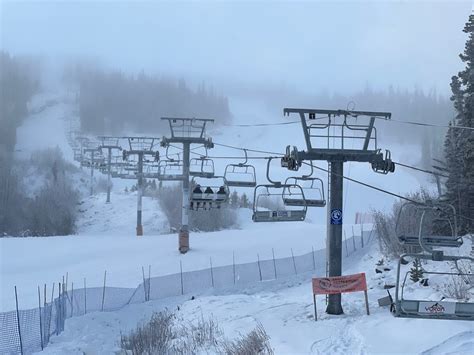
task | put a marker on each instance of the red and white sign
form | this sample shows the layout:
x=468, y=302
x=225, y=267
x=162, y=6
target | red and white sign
x=339, y=284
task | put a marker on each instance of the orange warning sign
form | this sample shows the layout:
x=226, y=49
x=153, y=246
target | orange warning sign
x=339, y=284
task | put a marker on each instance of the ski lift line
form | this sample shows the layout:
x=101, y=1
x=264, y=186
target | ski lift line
x=419, y=169
x=344, y=177
x=261, y=124
x=272, y=124
x=428, y=124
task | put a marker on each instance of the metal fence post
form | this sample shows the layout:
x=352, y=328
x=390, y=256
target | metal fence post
x=85, y=297
x=294, y=263
x=103, y=291
x=345, y=243
x=40, y=318
x=274, y=264
x=72, y=299
x=314, y=260
x=353, y=239
x=259, y=268
x=18, y=321
x=144, y=284
x=233, y=264
x=181, y=273
x=149, y=281
x=212, y=273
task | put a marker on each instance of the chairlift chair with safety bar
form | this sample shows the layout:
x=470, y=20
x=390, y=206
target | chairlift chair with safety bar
x=151, y=171
x=279, y=214
x=205, y=195
x=428, y=240
x=241, y=174
x=201, y=167
x=313, y=188
x=170, y=169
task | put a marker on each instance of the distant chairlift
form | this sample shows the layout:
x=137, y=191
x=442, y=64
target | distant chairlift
x=313, y=191
x=207, y=196
x=241, y=174
x=271, y=195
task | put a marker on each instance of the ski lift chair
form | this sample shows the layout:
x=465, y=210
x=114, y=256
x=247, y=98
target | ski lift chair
x=201, y=167
x=442, y=216
x=421, y=215
x=443, y=309
x=150, y=171
x=278, y=213
x=207, y=196
x=313, y=191
x=241, y=174
x=170, y=170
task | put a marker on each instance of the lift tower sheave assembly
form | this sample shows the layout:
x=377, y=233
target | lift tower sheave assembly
x=186, y=131
x=327, y=140
x=141, y=147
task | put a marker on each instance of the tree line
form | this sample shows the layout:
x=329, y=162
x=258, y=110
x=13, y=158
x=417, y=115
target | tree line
x=111, y=102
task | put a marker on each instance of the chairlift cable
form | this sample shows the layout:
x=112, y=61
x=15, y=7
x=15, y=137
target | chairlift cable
x=428, y=124
x=419, y=169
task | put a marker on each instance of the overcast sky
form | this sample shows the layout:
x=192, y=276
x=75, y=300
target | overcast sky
x=306, y=45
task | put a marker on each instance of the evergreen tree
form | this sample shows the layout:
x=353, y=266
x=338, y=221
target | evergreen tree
x=244, y=201
x=234, y=199
x=416, y=272
x=459, y=143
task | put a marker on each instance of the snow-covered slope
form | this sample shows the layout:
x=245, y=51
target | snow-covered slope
x=285, y=310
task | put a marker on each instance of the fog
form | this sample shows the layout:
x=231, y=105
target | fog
x=302, y=47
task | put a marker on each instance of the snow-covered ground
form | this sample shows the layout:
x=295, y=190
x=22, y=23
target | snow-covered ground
x=285, y=310
x=106, y=241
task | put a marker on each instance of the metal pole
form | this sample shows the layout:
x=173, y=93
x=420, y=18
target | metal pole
x=18, y=320
x=274, y=264
x=139, y=195
x=40, y=318
x=212, y=272
x=184, y=231
x=335, y=232
x=92, y=172
x=259, y=268
x=109, y=174
x=103, y=290
x=181, y=273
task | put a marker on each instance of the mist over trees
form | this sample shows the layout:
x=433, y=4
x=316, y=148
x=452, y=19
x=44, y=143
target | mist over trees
x=111, y=102
x=38, y=197
x=459, y=143
x=18, y=82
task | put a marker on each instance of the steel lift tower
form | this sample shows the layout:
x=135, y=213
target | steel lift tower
x=109, y=143
x=142, y=147
x=186, y=131
x=326, y=140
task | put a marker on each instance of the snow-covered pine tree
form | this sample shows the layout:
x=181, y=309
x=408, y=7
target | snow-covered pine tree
x=459, y=143
x=416, y=272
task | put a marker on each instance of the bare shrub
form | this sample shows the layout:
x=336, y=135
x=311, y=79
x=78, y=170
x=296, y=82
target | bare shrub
x=153, y=337
x=167, y=334
x=458, y=288
x=460, y=285
x=255, y=342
